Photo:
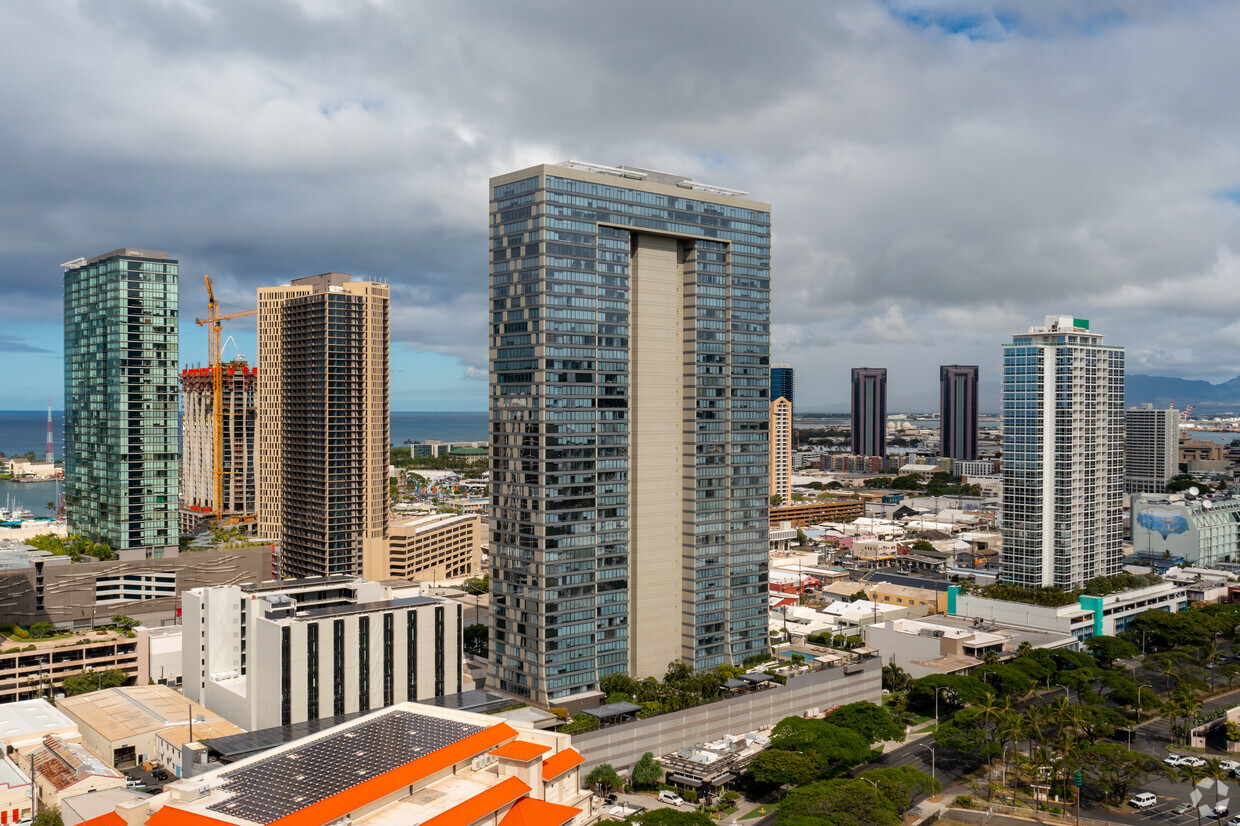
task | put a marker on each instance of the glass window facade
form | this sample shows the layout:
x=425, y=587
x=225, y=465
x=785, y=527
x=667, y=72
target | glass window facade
x=1063, y=458
x=562, y=353
x=122, y=445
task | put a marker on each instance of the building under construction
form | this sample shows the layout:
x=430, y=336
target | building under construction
x=239, y=505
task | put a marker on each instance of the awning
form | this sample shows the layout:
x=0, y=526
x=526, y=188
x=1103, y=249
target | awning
x=684, y=781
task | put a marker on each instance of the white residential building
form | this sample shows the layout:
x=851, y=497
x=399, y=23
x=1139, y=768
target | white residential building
x=1198, y=531
x=1151, y=448
x=1063, y=455
x=326, y=646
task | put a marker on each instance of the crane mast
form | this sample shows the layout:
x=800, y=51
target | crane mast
x=212, y=323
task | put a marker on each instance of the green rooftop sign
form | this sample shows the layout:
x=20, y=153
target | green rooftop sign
x=1083, y=323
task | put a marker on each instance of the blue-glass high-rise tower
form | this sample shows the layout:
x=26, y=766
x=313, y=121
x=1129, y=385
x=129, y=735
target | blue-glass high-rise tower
x=630, y=370
x=782, y=383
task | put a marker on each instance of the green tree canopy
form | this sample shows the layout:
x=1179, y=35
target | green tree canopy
x=49, y=816
x=777, y=767
x=647, y=772
x=873, y=722
x=902, y=785
x=90, y=680
x=1109, y=649
x=475, y=640
x=603, y=776
x=1117, y=770
x=670, y=817
x=959, y=690
x=125, y=623
x=840, y=802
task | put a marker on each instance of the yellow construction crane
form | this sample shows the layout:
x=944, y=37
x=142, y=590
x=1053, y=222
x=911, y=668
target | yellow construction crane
x=212, y=321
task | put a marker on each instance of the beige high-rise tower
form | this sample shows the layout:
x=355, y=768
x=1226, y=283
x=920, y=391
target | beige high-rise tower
x=323, y=424
x=781, y=449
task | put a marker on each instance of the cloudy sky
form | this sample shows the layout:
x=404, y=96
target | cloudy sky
x=942, y=174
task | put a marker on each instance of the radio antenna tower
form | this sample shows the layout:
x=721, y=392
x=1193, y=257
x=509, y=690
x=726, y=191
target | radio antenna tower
x=51, y=457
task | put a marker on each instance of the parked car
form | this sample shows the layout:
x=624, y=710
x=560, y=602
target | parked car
x=1172, y=759
x=1142, y=800
x=1220, y=810
x=671, y=798
x=1195, y=762
x=160, y=775
x=1235, y=821
x=1182, y=809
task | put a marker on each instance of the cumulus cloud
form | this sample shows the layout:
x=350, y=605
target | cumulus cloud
x=941, y=173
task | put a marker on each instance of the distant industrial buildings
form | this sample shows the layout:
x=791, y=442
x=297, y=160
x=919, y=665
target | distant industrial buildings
x=239, y=418
x=869, y=411
x=958, y=411
x=323, y=424
x=1150, y=448
x=283, y=652
x=120, y=425
x=1063, y=455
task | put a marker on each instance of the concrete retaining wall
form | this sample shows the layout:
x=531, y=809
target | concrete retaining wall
x=623, y=745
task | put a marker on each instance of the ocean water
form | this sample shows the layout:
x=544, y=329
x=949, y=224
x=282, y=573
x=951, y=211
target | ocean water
x=24, y=430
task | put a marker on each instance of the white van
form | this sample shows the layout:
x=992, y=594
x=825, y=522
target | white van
x=671, y=798
x=1143, y=800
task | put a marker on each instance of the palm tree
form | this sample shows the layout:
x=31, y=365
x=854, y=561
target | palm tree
x=1211, y=656
x=1168, y=670
x=1214, y=770
x=1189, y=775
x=1036, y=725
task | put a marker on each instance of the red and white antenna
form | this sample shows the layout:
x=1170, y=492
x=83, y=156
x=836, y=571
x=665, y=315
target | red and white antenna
x=51, y=457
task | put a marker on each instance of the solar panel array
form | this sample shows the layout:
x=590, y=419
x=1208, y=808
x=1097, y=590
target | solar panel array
x=288, y=782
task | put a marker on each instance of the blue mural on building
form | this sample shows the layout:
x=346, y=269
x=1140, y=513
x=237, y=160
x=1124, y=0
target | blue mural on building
x=1162, y=522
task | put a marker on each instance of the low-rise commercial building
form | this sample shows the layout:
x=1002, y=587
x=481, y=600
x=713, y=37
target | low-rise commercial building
x=951, y=645
x=15, y=792
x=436, y=547
x=1090, y=616
x=801, y=514
x=406, y=764
x=145, y=584
x=24, y=724
x=40, y=671
x=63, y=769
x=125, y=726
x=282, y=652
x=1202, y=532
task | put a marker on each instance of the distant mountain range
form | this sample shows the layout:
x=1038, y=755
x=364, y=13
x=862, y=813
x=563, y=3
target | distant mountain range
x=1162, y=391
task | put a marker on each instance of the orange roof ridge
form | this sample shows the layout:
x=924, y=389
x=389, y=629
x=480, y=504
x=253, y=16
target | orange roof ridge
x=481, y=805
x=530, y=812
x=364, y=793
x=106, y=819
x=560, y=762
x=522, y=750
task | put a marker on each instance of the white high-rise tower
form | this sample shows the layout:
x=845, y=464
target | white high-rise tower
x=1063, y=455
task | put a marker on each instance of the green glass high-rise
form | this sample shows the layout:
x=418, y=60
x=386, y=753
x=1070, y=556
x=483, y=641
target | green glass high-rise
x=121, y=433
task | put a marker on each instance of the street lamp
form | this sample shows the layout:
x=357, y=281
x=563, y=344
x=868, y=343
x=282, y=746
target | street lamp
x=933, y=773
x=1134, y=725
x=937, y=689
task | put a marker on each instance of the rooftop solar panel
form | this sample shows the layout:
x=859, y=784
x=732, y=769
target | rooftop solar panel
x=284, y=783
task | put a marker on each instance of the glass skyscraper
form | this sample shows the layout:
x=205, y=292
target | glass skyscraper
x=958, y=411
x=1063, y=455
x=630, y=340
x=782, y=383
x=869, y=411
x=121, y=436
